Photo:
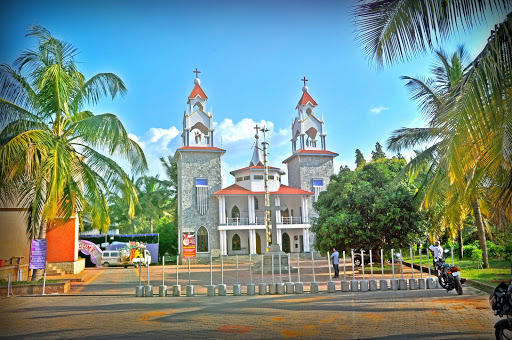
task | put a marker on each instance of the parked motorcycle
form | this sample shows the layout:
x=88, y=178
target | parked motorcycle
x=448, y=276
x=501, y=303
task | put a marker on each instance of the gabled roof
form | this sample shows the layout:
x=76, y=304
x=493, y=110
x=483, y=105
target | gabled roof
x=235, y=189
x=306, y=97
x=198, y=91
x=256, y=167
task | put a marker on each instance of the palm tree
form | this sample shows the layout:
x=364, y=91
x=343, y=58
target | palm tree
x=445, y=185
x=54, y=154
x=393, y=31
x=154, y=198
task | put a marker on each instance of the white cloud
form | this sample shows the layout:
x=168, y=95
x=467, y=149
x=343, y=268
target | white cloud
x=378, y=110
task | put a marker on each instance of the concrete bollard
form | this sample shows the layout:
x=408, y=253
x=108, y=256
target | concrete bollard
x=262, y=288
x=237, y=289
x=372, y=285
x=148, y=291
x=331, y=286
x=162, y=290
x=139, y=291
x=190, y=290
x=363, y=284
x=393, y=283
x=299, y=287
x=421, y=283
x=221, y=289
x=383, y=283
x=430, y=283
x=289, y=287
x=176, y=290
x=354, y=285
x=402, y=284
x=345, y=286
x=210, y=290
x=280, y=288
x=272, y=290
x=313, y=287
x=413, y=284
x=436, y=283
x=251, y=289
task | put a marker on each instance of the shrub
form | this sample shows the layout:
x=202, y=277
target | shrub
x=476, y=255
x=507, y=252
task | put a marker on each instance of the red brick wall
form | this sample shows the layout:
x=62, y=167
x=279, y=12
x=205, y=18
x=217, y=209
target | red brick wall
x=61, y=241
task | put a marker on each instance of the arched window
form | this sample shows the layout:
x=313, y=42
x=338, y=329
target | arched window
x=235, y=243
x=202, y=240
x=256, y=204
x=235, y=212
x=285, y=241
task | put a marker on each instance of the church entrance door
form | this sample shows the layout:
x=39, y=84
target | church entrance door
x=286, y=242
x=301, y=243
x=258, y=244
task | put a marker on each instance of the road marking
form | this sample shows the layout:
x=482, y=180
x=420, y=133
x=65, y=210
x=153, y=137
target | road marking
x=79, y=289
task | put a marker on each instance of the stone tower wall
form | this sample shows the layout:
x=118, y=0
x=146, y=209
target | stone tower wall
x=192, y=165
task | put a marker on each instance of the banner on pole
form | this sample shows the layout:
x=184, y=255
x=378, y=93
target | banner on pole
x=189, y=245
x=38, y=254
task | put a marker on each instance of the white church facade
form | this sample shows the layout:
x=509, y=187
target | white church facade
x=231, y=220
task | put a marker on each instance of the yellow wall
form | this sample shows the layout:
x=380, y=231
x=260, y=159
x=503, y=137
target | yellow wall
x=13, y=237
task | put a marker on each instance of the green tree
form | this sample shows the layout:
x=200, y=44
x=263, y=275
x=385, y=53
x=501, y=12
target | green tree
x=360, y=161
x=378, y=153
x=366, y=209
x=154, y=199
x=51, y=158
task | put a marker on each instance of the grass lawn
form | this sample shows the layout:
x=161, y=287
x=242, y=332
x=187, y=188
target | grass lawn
x=498, y=271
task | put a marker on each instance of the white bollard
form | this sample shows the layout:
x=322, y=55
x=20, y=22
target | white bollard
x=262, y=288
x=354, y=286
x=371, y=263
x=148, y=290
x=299, y=288
x=251, y=289
x=430, y=283
x=289, y=287
x=421, y=283
x=210, y=290
x=272, y=290
x=344, y=268
x=237, y=289
x=393, y=284
x=412, y=262
x=362, y=262
x=421, y=264
x=372, y=285
x=353, y=269
x=393, y=263
x=413, y=284
x=190, y=290
x=313, y=288
x=383, y=284
x=331, y=286
x=280, y=288
x=176, y=290
x=364, y=285
x=298, y=268
x=221, y=289
x=345, y=286
x=382, y=263
x=162, y=289
x=402, y=284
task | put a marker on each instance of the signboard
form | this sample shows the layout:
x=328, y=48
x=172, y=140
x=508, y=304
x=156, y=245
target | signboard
x=189, y=245
x=38, y=254
x=90, y=248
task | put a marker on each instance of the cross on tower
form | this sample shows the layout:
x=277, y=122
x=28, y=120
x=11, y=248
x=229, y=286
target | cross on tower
x=257, y=128
x=304, y=80
x=197, y=73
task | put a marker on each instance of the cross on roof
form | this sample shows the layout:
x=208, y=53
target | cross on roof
x=257, y=128
x=197, y=73
x=304, y=80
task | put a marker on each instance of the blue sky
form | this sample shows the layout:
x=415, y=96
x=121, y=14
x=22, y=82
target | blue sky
x=252, y=56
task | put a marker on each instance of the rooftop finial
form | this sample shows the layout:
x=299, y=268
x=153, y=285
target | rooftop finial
x=305, y=88
x=197, y=81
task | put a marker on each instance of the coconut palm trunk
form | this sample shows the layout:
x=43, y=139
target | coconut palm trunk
x=461, y=243
x=481, y=232
x=38, y=273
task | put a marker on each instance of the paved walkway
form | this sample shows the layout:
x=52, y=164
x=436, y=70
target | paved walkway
x=425, y=314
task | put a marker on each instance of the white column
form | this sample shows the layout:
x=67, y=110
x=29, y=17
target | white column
x=279, y=239
x=223, y=243
x=220, y=210
x=278, y=212
x=306, y=214
x=251, y=241
x=250, y=204
x=303, y=208
x=305, y=235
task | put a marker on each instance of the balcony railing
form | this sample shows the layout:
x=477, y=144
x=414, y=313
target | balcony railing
x=238, y=221
x=291, y=220
x=261, y=220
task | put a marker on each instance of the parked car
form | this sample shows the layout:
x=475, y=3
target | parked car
x=358, y=260
x=111, y=258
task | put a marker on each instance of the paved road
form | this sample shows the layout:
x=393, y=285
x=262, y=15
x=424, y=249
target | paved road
x=89, y=312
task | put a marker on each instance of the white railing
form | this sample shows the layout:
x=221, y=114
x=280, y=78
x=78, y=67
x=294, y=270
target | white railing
x=291, y=220
x=237, y=221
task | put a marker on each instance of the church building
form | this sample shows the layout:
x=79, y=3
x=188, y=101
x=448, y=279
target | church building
x=231, y=220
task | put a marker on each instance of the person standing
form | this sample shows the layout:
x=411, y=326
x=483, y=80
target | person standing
x=335, y=255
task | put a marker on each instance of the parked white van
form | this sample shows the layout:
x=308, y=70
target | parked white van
x=111, y=258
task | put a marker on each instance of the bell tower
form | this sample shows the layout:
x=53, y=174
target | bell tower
x=311, y=164
x=199, y=176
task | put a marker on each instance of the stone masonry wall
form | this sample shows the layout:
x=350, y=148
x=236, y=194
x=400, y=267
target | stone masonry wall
x=192, y=165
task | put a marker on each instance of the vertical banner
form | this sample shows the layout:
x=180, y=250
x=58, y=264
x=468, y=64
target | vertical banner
x=38, y=254
x=189, y=245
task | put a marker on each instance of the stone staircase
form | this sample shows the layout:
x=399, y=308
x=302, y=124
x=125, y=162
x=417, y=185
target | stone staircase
x=52, y=270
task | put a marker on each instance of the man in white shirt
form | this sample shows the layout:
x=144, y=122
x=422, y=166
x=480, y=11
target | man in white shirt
x=437, y=250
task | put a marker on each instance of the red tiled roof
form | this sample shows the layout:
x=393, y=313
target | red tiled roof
x=235, y=189
x=256, y=167
x=306, y=97
x=320, y=152
x=197, y=90
x=201, y=148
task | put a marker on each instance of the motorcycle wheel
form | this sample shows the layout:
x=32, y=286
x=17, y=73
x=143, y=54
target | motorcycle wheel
x=503, y=334
x=458, y=285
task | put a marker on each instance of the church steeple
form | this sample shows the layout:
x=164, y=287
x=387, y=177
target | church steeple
x=257, y=155
x=307, y=128
x=197, y=122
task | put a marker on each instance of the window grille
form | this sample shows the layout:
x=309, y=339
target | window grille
x=202, y=195
x=318, y=185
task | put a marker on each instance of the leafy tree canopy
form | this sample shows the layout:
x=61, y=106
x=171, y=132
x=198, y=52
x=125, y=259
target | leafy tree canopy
x=360, y=161
x=378, y=153
x=366, y=209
